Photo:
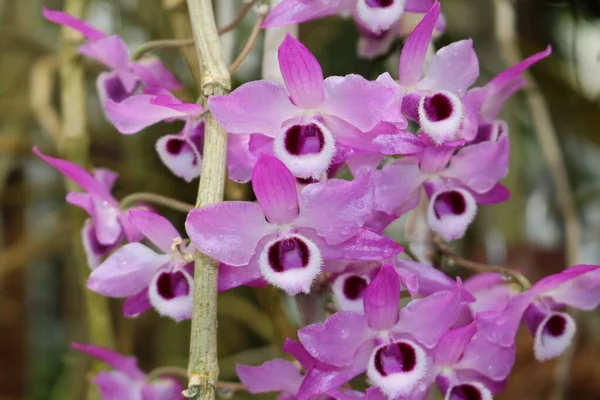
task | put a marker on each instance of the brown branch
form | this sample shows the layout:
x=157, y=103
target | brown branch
x=42, y=87
x=260, y=18
x=481, y=267
x=238, y=18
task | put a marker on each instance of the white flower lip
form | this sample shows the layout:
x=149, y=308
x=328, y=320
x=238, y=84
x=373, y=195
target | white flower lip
x=440, y=115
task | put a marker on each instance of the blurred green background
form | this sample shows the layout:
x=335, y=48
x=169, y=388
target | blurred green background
x=41, y=301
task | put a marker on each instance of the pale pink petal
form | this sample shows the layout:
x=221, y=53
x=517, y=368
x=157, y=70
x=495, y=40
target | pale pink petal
x=381, y=299
x=116, y=385
x=137, y=112
x=229, y=231
x=451, y=346
x=78, y=175
x=124, y=364
x=398, y=186
x=81, y=199
x=336, y=209
x=295, y=11
x=254, y=107
x=105, y=218
x=275, y=190
x=180, y=155
x=240, y=159
x=127, y=271
x=355, y=100
x=153, y=73
x=365, y=245
x=112, y=52
x=163, y=389
x=136, y=304
x=418, y=6
x=94, y=250
x=272, y=376
x=415, y=48
x=301, y=73
x=577, y=286
x=65, y=19
x=453, y=68
x=110, y=87
x=337, y=340
x=371, y=46
x=158, y=229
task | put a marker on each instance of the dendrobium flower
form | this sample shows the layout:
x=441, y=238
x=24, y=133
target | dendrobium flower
x=181, y=152
x=375, y=18
x=125, y=75
x=453, y=185
x=108, y=224
x=287, y=235
x=306, y=122
x=391, y=344
x=147, y=278
x=126, y=380
x=437, y=99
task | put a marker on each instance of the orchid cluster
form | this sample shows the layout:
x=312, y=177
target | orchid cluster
x=406, y=325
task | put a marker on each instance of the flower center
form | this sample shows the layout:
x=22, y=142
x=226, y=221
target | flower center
x=354, y=286
x=556, y=326
x=397, y=357
x=379, y=3
x=171, y=285
x=291, y=253
x=438, y=107
x=449, y=203
x=174, y=146
x=465, y=392
x=304, y=139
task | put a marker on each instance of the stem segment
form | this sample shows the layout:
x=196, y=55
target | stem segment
x=203, y=369
x=154, y=198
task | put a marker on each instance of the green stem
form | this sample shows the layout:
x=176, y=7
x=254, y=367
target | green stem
x=130, y=200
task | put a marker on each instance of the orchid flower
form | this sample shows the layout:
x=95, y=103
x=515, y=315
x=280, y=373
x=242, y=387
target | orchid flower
x=125, y=75
x=391, y=344
x=305, y=123
x=147, y=278
x=437, y=98
x=577, y=287
x=108, y=224
x=126, y=380
x=287, y=235
x=453, y=186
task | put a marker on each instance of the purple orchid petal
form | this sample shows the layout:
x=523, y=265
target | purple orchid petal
x=397, y=368
x=357, y=101
x=338, y=339
x=127, y=271
x=115, y=385
x=272, y=376
x=295, y=11
x=254, y=107
x=275, y=189
x=229, y=231
x=180, y=155
x=415, y=48
x=428, y=279
x=397, y=186
x=158, y=229
x=577, y=286
x=320, y=380
x=506, y=83
x=298, y=351
x=232, y=277
x=378, y=15
x=450, y=212
x=491, y=291
x=365, y=245
x=467, y=391
x=106, y=177
x=137, y=112
x=240, y=160
x=291, y=263
x=171, y=294
x=153, y=73
x=489, y=359
x=136, y=304
x=452, y=344
x=453, y=68
x=163, y=389
x=497, y=194
x=105, y=218
x=382, y=299
x=348, y=291
x=94, y=250
x=124, y=364
x=301, y=73
x=112, y=52
x=418, y=6
x=80, y=199
x=62, y=18
x=427, y=319
x=307, y=149
x=371, y=45
x=491, y=159
x=78, y=175
x=336, y=209
x=110, y=87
